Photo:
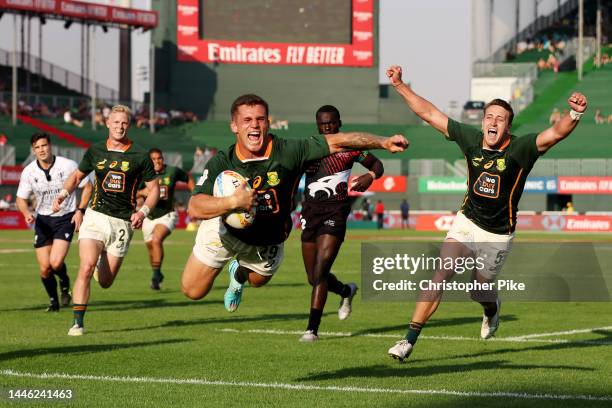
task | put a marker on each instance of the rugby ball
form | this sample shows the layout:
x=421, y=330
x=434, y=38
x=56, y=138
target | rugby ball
x=225, y=184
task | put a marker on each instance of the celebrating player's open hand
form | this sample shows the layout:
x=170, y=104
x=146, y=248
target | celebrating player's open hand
x=396, y=143
x=394, y=73
x=577, y=102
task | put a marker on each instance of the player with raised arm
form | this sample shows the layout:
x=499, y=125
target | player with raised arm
x=111, y=217
x=53, y=232
x=160, y=222
x=324, y=213
x=274, y=166
x=498, y=164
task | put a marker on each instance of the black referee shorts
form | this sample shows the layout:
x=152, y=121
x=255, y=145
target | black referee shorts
x=48, y=228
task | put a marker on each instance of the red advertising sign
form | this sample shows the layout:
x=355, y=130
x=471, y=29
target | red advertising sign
x=585, y=185
x=10, y=174
x=85, y=11
x=386, y=184
x=12, y=220
x=359, y=53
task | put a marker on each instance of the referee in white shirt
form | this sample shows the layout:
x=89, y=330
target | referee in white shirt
x=44, y=178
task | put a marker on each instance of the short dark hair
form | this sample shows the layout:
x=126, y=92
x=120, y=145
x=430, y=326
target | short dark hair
x=503, y=104
x=155, y=150
x=39, y=135
x=248, y=100
x=328, y=109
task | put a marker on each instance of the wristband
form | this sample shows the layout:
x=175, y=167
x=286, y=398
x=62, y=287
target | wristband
x=575, y=115
x=145, y=210
x=82, y=210
x=64, y=193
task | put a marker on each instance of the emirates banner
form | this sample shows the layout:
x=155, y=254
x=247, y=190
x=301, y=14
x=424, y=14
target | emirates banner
x=358, y=53
x=84, y=11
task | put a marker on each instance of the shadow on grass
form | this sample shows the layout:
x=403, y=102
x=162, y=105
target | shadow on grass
x=402, y=328
x=116, y=305
x=605, y=340
x=417, y=370
x=86, y=349
x=220, y=320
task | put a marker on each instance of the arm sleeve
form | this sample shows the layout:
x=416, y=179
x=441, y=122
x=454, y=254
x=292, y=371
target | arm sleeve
x=205, y=184
x=25, y=189
x=181, y=175
x=525, y=150
x=464, y=135
x=312, y=148
x=148, y=172
x=87, y=166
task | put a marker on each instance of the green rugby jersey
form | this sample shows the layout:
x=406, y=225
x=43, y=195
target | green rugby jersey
x=167, y=178
x=495, y=178
x=275, y=177
x=118, y=175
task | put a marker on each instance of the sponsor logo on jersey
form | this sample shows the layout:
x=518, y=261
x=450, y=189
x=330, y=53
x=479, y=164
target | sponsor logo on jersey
x=100, y=164
x=328, y=184
x=114, y=182
x=476, y=161
x=125, y=166
x=501, y=164
x=487, y=185
x=163, y=192
x=257, y=182
x=488, y=164
x=273, y=179
x=113, y=164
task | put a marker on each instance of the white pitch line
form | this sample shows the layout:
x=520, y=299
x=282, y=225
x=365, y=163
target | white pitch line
x=395, y=336
x=304, y=387
x=562, y=333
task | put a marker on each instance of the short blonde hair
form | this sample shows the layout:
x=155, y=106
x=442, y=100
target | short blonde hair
x=122, y=109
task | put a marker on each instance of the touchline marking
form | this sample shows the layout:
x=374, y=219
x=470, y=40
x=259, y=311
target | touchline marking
x=302, y=387
x=562, y=333
x=520, y=339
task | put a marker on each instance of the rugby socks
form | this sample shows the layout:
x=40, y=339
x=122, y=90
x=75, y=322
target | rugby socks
x=414, y=329
x=337, y=287
x=79, y=313
x=51, y=287
x=64, y=280
x=314, y=320
x=490, y=308
x=157, y=274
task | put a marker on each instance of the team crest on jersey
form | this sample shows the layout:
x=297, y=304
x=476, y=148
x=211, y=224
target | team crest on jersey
x=488, y=164
x=113, y=164
x=100, y=164
x=476, y=161
x=501, y=164
x=125, y=166
x=166, y=180
x=273, y=179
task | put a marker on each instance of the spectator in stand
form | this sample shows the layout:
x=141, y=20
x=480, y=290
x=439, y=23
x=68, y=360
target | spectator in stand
x=380, y=213
x=6, y=202
x=3, y=139
x=68, y=118
x=405, y=210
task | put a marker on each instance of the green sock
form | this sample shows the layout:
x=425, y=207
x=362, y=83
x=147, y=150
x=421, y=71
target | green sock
x=414, y=329
x=79, y=313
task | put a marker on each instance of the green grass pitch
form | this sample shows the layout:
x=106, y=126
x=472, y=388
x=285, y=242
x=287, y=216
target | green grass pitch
x=143, y=348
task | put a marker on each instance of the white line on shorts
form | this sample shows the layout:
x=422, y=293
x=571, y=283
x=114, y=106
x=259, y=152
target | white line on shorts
x=303, y=387
x=562, y=333
x=520, y=339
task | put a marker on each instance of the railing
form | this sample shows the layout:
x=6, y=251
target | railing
x=58, y=74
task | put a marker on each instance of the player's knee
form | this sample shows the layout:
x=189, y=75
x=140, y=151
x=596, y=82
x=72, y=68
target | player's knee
x=192, y=293
x=156, y=241
x=105, y=283
x=56, y=264
x=45, y=271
